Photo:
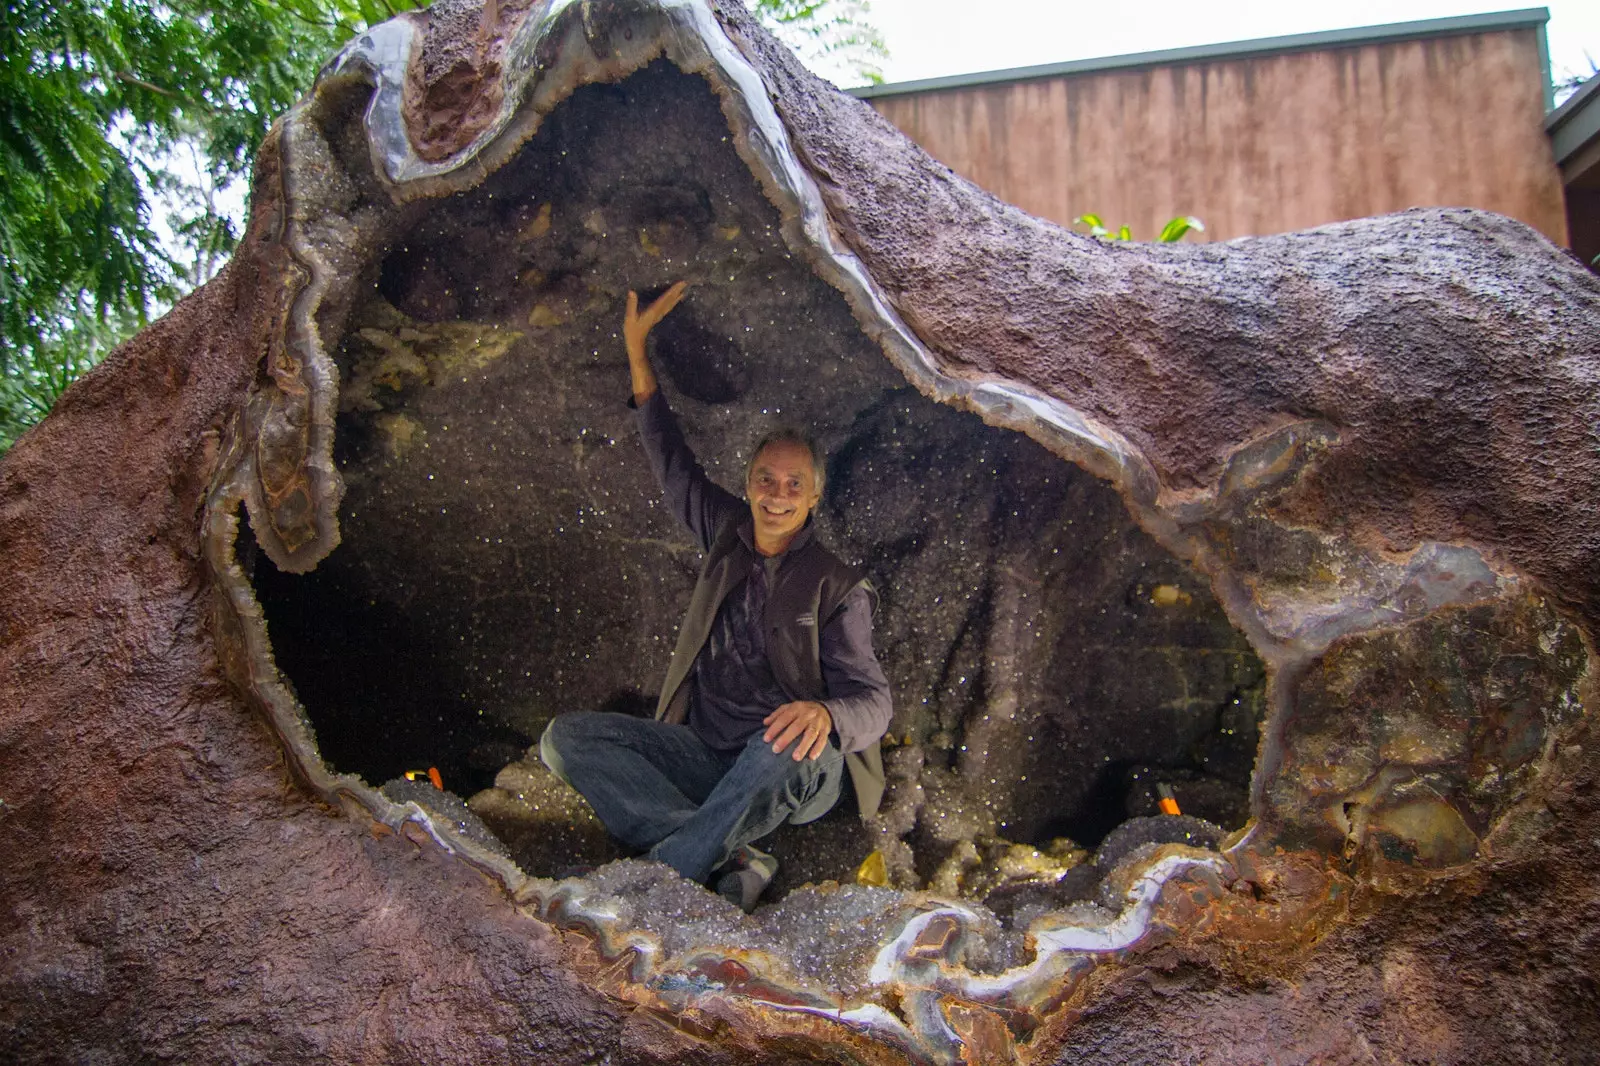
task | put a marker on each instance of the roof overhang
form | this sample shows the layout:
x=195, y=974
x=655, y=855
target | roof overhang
x=1574, y=130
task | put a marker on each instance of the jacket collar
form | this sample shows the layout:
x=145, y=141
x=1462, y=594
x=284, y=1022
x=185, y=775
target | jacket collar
x=747, y=536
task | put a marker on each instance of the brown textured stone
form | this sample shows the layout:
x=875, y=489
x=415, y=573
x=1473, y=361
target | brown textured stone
x=1375, y=441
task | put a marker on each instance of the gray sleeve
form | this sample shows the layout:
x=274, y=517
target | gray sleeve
x=858, y=692
x=697, y=502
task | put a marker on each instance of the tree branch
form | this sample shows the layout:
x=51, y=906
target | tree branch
x=128, y=79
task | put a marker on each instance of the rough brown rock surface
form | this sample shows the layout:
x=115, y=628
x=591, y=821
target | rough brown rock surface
x=1376, y=441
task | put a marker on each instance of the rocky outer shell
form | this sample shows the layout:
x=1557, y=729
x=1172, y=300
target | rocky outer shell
x=170, y=893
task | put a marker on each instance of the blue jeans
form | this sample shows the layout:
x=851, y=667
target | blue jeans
x=658, y=786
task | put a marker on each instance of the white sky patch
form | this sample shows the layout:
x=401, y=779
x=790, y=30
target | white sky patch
x=938, y=38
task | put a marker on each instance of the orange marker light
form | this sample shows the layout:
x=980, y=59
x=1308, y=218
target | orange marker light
x=1167, y=801
x=431, y=773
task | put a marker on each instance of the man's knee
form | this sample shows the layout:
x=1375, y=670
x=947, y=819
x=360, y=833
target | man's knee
x=576, y=739
x=800, y=778
x=551, y=743
x=814, y=794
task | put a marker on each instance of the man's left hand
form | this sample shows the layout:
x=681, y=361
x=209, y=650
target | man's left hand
x=805, y=721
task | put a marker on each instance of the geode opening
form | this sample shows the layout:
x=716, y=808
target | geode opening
x=504, y=558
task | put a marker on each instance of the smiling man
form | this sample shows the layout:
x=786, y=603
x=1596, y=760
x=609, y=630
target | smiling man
x=773, y=691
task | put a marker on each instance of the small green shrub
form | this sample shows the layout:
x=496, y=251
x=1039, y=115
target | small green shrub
x=1175, y=229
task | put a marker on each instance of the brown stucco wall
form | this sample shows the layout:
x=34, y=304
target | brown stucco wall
x=1262, y=144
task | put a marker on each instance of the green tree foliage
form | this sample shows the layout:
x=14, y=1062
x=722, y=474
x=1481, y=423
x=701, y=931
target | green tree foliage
x=42, y=370
x=834, y=37
x=1570, y=81
x=105, y=107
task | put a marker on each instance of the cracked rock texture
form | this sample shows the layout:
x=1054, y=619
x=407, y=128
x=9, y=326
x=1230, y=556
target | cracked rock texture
x=1341, y=477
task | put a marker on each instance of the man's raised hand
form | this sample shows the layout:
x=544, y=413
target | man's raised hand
x=806, y=721
x=636, y=326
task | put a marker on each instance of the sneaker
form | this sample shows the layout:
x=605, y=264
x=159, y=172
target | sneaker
x=748, y=873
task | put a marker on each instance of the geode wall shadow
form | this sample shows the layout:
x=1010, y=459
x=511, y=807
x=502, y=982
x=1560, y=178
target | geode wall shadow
x=504, y=558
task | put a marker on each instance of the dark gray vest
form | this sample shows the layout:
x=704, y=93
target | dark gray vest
x=809, y=589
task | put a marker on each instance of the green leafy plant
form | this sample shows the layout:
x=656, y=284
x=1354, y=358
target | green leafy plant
x=1175, y=229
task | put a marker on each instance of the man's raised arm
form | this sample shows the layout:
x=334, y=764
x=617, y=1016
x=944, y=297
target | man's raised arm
x=697, y=502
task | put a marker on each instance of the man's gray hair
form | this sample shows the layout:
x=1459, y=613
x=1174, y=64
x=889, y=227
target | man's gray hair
x=792, y=435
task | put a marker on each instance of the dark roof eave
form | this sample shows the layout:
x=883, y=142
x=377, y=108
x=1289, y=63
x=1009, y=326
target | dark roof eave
x=1576, y=123
x=1525, y=18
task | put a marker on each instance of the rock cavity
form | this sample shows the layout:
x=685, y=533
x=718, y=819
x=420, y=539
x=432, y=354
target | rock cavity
x=504, y=558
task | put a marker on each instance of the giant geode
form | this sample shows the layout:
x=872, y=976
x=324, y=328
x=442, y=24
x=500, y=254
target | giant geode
x=1298, y=523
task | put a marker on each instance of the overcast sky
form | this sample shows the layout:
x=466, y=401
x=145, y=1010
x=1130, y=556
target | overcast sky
x=934, y=38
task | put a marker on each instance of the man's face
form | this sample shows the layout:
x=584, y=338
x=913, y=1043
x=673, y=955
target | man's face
x=782, y=490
